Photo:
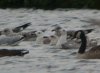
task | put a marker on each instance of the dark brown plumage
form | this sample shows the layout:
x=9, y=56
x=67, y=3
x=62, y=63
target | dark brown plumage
x=7, y=52
x=93, y=53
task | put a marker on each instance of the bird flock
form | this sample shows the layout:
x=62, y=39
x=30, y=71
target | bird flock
x=57, y=37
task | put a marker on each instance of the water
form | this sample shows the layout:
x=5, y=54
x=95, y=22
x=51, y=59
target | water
x=43, y=58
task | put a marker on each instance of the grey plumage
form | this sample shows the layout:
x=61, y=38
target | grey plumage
x=10, y=40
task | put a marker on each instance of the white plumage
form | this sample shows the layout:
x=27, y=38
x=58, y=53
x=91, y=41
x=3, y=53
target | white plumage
x=62, y=39
x=39, y=39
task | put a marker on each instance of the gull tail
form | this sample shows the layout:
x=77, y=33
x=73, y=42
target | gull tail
x=22, y=27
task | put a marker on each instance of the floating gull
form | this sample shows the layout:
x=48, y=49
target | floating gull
x=39, y=39
x=54, y=39
x=14, y=31
x=43, y=37
x=29, y=36
x=8, y=32
x=62, y=39
x=10, y=40
x=65, y=43
x=70, y=33
x=57, y=31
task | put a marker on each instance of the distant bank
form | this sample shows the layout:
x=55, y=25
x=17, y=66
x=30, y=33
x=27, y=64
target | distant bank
x=50, y=4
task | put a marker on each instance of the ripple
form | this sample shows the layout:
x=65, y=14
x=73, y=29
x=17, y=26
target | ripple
x=47, y=59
